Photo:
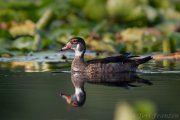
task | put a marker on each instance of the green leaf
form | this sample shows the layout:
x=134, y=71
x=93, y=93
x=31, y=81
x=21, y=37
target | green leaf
x=23, y=43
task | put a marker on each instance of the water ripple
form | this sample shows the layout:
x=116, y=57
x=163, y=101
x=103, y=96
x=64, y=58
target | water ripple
x=157, y=72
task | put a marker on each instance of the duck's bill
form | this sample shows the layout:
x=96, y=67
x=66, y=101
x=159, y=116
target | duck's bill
x=67, y=47
x=66, y=97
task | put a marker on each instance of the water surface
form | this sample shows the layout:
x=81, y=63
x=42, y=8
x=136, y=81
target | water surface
x=31, y=91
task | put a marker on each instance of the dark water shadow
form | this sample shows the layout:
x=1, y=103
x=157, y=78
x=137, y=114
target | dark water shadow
x=79, y=79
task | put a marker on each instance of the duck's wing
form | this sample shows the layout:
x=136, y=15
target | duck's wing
x=113, y=59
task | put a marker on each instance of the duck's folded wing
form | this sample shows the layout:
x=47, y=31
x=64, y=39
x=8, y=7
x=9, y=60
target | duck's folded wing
x=113, y=59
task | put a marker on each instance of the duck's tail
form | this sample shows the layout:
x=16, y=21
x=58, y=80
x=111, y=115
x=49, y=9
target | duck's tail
x=143, y=60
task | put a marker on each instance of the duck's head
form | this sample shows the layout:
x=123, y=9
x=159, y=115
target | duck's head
x=76, y=100
x=77, y=44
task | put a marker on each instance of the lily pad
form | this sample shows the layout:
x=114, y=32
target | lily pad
x=23, y=43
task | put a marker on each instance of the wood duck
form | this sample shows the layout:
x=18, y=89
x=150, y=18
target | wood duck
x=125, y=80
x=120, y=63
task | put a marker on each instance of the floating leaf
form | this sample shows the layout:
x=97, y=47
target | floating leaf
x=26, y=28
x=23, y=43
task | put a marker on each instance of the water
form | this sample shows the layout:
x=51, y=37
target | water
x=31, y=91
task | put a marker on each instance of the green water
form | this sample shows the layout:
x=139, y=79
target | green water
x=35, y=94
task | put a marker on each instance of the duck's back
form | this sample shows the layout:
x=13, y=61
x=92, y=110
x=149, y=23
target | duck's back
x=121, y=63
x=110, y=67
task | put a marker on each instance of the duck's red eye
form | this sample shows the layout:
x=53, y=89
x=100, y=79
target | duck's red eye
x=74, y=41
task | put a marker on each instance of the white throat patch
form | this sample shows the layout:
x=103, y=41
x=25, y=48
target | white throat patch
x=77, y=52
x=78, y=90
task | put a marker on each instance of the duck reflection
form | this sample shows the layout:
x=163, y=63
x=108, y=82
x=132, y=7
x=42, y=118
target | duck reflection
x=79, y=79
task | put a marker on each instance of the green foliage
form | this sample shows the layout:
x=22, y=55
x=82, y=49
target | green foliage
x=4, y=34
x=132, y=13
x=5, y=37
x=78, y=3
x=145, y=110
x=23, y=43
x=95, y=10
x=60, y=20
x=120, y=9
x=177, y=5
x=18, y=10
x=175, y=38
x=164, y=4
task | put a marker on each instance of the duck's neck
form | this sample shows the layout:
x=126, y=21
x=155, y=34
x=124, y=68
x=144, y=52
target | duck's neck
x=78, y=59
x=79, y=56
x=79, y=90
x=79, y=53
x=80, y=94
x=78, y=62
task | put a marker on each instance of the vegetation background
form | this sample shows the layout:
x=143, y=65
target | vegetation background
x=112, y=26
